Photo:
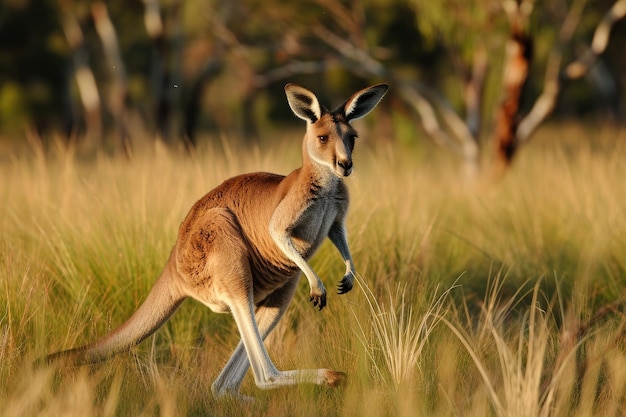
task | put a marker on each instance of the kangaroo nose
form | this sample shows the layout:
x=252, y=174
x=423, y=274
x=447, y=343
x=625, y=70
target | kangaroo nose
x=346, y=165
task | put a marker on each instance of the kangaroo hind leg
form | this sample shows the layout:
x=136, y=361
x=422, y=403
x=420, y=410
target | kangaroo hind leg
x=268, y=314
x=213, y=257
x=266, y=375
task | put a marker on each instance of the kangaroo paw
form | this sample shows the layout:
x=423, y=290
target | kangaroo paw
x=335, y=378
x=319, y=300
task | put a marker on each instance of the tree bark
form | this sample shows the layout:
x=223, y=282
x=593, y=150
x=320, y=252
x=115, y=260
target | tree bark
x=516, y=68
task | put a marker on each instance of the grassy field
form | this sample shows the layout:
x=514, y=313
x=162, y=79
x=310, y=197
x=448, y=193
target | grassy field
x=500, y=299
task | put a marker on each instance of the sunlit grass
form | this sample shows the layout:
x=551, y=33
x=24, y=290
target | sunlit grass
x=516, y=389
x=84, y=238
x=395, y=334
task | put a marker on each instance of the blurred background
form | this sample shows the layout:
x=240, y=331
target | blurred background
x=467, y=75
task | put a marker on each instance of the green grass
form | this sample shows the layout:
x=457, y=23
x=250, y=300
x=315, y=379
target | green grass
x=465, y=295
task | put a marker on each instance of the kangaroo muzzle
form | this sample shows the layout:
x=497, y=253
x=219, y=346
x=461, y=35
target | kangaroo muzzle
x=344, y=167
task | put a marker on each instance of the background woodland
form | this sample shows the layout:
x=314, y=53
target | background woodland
x=476, y=77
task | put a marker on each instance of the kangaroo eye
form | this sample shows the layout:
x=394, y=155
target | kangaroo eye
x=323, y=139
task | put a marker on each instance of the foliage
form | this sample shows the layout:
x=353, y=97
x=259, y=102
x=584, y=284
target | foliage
x=475, y=22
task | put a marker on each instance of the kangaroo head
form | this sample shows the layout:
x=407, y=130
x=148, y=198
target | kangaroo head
x=329, y=138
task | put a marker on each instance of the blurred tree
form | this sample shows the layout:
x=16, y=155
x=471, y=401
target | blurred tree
x=118, y=96
x=84, y=77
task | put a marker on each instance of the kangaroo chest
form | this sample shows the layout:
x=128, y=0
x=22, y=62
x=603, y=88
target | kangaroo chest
x=312, y=226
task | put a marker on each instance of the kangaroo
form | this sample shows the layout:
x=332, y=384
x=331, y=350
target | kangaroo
x=242, y=247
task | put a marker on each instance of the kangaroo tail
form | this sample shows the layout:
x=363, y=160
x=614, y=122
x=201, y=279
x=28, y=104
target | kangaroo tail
x=163, y=300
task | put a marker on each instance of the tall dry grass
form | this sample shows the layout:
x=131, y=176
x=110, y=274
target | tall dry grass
x=467, y=294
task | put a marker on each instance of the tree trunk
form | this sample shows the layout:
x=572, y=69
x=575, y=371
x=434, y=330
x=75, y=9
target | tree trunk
x=85, y=81
x=516, y=68
x=158, y=74
x=209, y=70
x=118, y=94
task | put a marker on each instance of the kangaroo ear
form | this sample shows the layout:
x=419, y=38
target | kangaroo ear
x=303, y=103
x=364, y=101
